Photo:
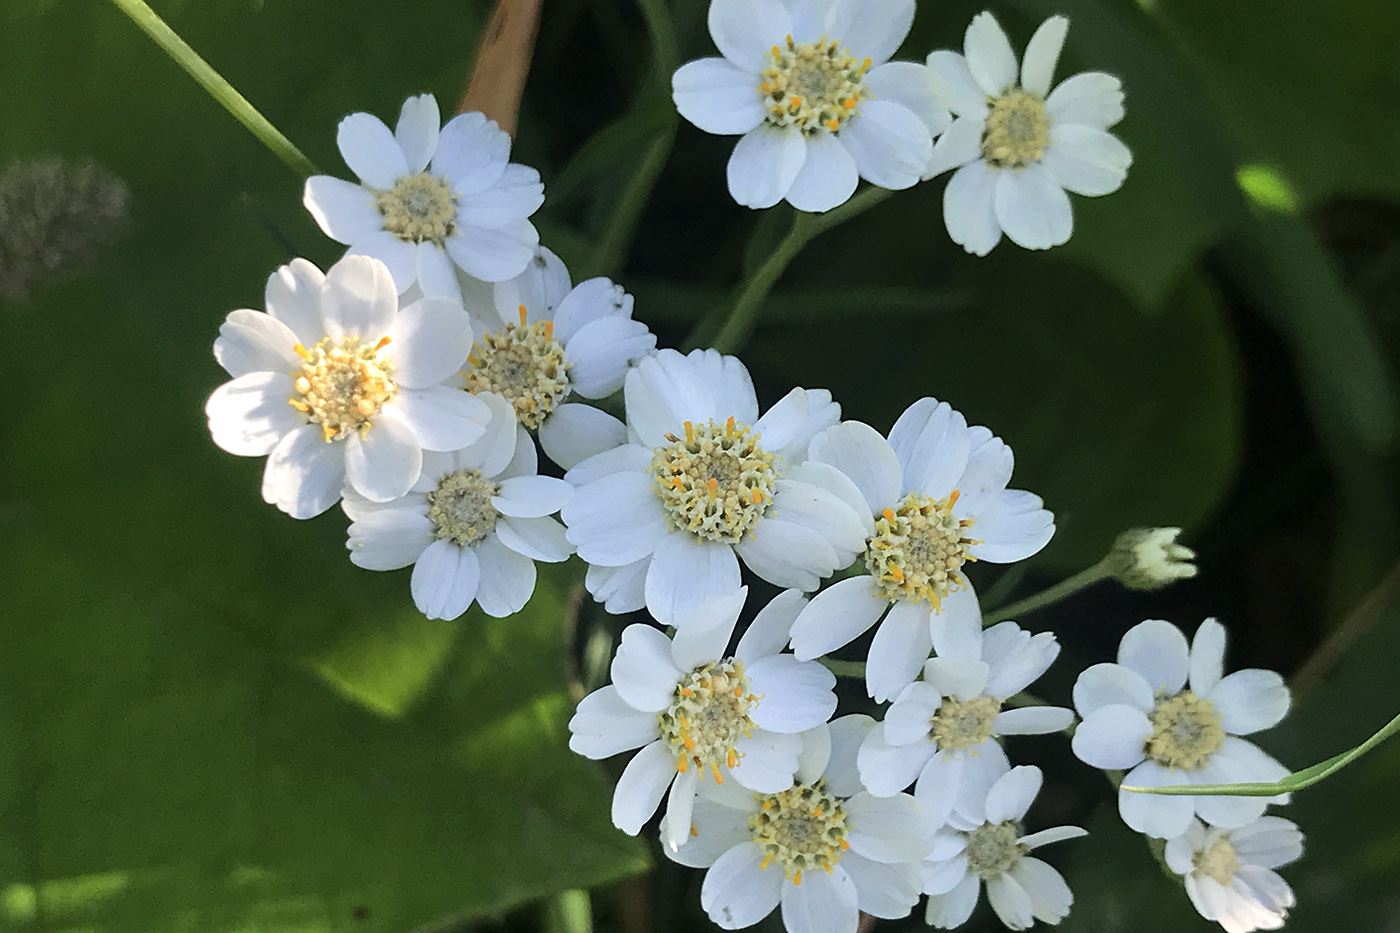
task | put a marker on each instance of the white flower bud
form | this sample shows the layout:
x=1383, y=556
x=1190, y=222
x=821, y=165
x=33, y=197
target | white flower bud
x=1150, y=558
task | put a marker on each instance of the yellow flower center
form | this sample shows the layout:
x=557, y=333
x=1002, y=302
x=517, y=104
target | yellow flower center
x=716, y=482
x=708, y=715
x=1218, y=861
x=523, y=364
x=460, y=508
x=918, y=550
x=964, y=723
x=801, y=828
x=1186, y=732
x=419, y=208
x=812, y=86
x=992, y=849
x=342, y=385
x=1016, y=131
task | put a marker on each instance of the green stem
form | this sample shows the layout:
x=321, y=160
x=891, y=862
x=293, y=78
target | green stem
x=1084, y=578
x=569, y=912
x=232, y=101
x=743, y=314
x=852, y=669
x=621, y=228
x=1298, y=780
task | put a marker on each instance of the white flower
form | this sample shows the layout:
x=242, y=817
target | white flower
x=942, y=730
x=341, y=386
x=807, y=84
x=661, y=519
x=931, y=498
x=991, y=847
x=473, y=525
x=1230, y=875
x=701, y=715
x=427, y=194
x=1020, y=145
x=1140, y=714
x=1149, y=558
x=824, y=849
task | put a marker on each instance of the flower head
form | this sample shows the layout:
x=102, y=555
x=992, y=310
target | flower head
x=809, y=86
x=339, y=386
x=1149, y=558
x=1229, y=873
x=1165, y=711
x=1017, y=145
x=430, y=197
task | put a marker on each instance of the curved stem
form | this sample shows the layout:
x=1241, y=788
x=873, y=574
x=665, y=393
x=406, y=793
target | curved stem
x=1084, y=578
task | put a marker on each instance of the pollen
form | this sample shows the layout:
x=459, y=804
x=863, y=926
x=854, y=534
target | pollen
x=918, y=550
x=341, y=386
x=992, y=849
x=1016, y=130
x=1218, y=862
x=708, y=715
x=523, y=364
x=460, y=508
x=960, y=724
x=1186, y=732
x=803, y=828
x=717, y=482
x=419, y=208
x=814, y=86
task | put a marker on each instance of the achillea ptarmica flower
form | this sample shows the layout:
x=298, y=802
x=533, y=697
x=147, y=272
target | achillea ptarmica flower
x=661, y=520
x=473, y=525
x=824, y=849
x=1017, y=145
x=339, y=386
x=1150, y=559
x=701, y=716
x=430, y=197
x=942, y=730
x=1229, y=873
x=992, y=849
x=931, y=498
x=810, y=87
x=1141, y=714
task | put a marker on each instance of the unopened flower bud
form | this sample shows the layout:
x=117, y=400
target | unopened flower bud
x=1150, y=558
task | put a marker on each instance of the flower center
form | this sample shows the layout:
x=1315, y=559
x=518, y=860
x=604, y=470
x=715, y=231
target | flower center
x=1218, y=861
x=812, y=86
x=419, y=208
x=717, y=482
x=918, y=549
x=1016, y=130
x=460, y=508
x=964, y=723
x=342, y=385
x=992, y=849
x=709, y=713
x=525, y=365
x=1185, y=732
x=803, y=827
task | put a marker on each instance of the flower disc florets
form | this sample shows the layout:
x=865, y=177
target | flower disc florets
x=918, y=549
x=964, y=723
x=525, y=365
x=342, y=385
x=1185, y=731
x=708, y=715
x=1218, y=861
x=813, y=86
x=717, y=482
x=419, y=208
x=993, y=849
x=801, y=828
x=460, y=508
x=1016, y=130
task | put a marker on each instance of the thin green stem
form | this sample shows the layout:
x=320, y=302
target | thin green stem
x=1084, y=578
x=1298, y=780
x=209, y=79
x=853, y=669
x=569, y=912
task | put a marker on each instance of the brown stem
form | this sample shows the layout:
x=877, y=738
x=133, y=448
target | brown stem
x=502, y=62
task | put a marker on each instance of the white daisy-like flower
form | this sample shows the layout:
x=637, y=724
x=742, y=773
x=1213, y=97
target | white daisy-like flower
x=701, y=715
x=1230, y=875
x=943, y=729
x=931, y=498
x=661, y=519
x=990, y=847
x=339, y=386
x=1141, y=714
x=809, y=85
x=825, y=849
x=472, y=527
x=1017, y=145
x=430, y=197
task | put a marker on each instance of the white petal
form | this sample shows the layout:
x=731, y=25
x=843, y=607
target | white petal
x=1013, y=527
x=1269, y=841
x=969, y=210
x=989, y=467
x=1250, y=700
x=909, y=716
x=445, y=580
x=370, y=150
x=765, y=163
x=600, y=352
x=871, y=29
x=960, y=144
x=417, y=131
x=536, y=538
x=845, y=736
x=573, y=433
x=835, y=616
x=902, y=644
x=532, y=496
x=293, y=296
x=384, y=463
x=1054, y=834
x=861, y=453
x=826, y=514
x=886, y=891
x=641, y=787
x=627, y=458
x=1108, y=684
x=827, y=477
x=429, y=341
x=304, y=473
x=943, y=875
x=1223, y=811
x=1033, y=720
x=495, y=449
x=1023, y=664
x=1042, y=52
x=594, y=300
x=954, y=87
x=686, y=573
x=962, y=676
x=642, y=669
x=620, y=589
x=359, y=299
x=888, y=769
x=1086, y=160
x=788, y=555
x=823, y=903
x=1090, y=99
x=400, y=256
x=717, y=96
x=680, y=805
x=717, y=829
x=1207, y=664
x=767, y=761
x=388, y=538
x=345, y=212
x=1010, y=902
x=541, y=288
x=472, y=152
x=1157, y=650
x=494, y=254
x=795, y=695
x=507, y=579
x=889, y=142
x=910, y=85
x=516, y=195
x=1013, y=793
x=887, y=829
x=249, y=416
x=615, y=520
x=728, y=382
x=604, y=724
x=744, y=30
x=957, y=628
x=828, y=177
x=662, y=393
x=436, y=276
x=951, y=910
x=931, y=441
x=767, y=634
x=736, y=893
x=1032, y=208
x=440, y=418
x=703, y=634
x=1158, y=815
x=816, y=755
x=989, y=55
x=1112, y=737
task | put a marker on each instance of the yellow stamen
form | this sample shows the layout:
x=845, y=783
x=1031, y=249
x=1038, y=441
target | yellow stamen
x=522, y=315
x=302, y=352
x=689, y=433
